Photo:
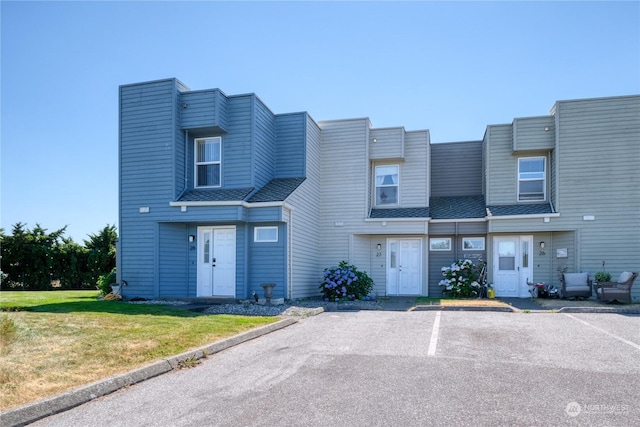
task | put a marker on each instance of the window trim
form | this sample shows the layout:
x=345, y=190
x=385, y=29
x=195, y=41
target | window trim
x=375, y=186
x=544, y=179
x=196, y=163
x=256, y=231
x=433, y=239
x=464, y=239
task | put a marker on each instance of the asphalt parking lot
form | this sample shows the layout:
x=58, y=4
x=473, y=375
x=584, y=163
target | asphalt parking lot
x=374, y=368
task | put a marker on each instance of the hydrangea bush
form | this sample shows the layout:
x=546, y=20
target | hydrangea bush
x=345, y=282
x=462, y=279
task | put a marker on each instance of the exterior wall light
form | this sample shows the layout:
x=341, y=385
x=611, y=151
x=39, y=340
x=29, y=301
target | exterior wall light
x=192, y=238
x=379, y=246
x=541, y=245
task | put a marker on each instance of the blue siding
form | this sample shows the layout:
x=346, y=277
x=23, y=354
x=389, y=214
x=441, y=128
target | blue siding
x=264, y=148
x=236, y=145
x=173, y=250
x=268, y=264
x=204, y=109
x=147, y=165
x=291, y=145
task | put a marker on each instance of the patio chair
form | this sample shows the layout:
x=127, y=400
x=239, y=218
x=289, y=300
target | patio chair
x=576, y=285
x=616, y=291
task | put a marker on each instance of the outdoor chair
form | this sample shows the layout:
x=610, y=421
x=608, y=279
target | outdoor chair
x=616, y=291
x=576, y=285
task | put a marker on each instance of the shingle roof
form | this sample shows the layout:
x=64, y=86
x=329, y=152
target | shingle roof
x=216, y=195
x=458, y=207
x=400, y=213
x=276, y=190
x=523, y=209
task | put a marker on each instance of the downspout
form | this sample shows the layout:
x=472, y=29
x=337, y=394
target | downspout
x=290, y=256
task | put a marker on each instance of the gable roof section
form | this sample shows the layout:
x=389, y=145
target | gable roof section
x=276, y=190
x=216, y=195
x=526, y=209
x=400, y=213
x=460, y=207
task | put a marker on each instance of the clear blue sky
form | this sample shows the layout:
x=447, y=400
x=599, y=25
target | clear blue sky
x=449, y=67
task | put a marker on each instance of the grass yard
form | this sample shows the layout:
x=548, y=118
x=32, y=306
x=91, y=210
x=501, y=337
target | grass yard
x=54, y=341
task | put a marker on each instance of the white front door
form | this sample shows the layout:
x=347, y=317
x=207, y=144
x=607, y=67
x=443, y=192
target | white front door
x=404, y=266
x=512, y=265
x=216, y=261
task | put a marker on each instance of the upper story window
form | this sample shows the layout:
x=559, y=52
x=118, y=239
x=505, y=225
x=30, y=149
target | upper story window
x=208, y=161
x=531, y=179
x=386, y=185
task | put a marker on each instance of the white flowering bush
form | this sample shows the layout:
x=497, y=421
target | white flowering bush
x=345, y=282
x=462, y=279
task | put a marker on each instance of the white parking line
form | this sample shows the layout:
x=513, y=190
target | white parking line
x=433, y=343
x=631, y=343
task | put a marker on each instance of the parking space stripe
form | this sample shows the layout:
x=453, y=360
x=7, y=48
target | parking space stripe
x=433, y=343
x=631, y=343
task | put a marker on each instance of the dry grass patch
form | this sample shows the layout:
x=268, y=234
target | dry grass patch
x=64, y=343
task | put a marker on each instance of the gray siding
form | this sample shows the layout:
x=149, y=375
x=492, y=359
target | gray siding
x=414, y=171
x=456, y=169
x=500, y=166
x=304, y=225
x=533, y=133
x=389, y=143
x=599, y=151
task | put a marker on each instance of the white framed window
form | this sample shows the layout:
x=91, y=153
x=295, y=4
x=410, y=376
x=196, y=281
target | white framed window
x=387, y=185
x=208, y=161
x=473, y=243
x=532, y=179
x=265, y=234
x=440, y=244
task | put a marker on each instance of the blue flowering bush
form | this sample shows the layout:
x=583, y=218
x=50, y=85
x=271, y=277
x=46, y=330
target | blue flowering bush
x=462, y=279
x=345, y=282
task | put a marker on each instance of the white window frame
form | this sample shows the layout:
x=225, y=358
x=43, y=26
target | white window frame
x=196, y=163
x=258, y=239
x=375, y=186
x=543, y=179
x=433, y=240
x=468, y=239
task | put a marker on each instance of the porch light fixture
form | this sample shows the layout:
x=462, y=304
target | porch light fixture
x=541, y=245
x=192, y=238
x=379, y=246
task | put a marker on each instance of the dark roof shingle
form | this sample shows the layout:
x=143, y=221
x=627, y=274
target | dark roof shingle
x=458, y=207
x=524, y=209
x=215, y=195
x=399, y=213
x=276, y=190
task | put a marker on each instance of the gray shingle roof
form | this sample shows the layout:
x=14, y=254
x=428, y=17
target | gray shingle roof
x=525, y=209
x=400, y=213
x=216, y=195
x=458, y=207
x=276, y=190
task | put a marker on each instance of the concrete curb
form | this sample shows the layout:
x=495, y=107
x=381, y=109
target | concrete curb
x=32, y=412
x=461, y=308
x=615, y=310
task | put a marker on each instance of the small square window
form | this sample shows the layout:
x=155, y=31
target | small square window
x=473, y=243
x=440, y=244
x=265, y=234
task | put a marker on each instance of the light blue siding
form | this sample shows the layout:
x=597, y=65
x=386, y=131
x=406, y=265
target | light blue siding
x=237, y=156
x=203, y=109
x=173, y=252
x=263, y=153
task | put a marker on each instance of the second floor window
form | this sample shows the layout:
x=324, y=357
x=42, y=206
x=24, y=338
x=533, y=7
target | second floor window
x=208, y=161
x=386, y=185
x=531, y=179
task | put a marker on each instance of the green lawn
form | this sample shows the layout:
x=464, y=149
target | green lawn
x=58, y=340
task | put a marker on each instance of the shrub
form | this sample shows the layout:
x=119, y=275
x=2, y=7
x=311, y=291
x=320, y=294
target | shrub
x=345, y=282
x=603, y=276
x=105, y=281
x=461, y=279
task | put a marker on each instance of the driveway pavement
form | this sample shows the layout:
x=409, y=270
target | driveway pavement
x=399, y=368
